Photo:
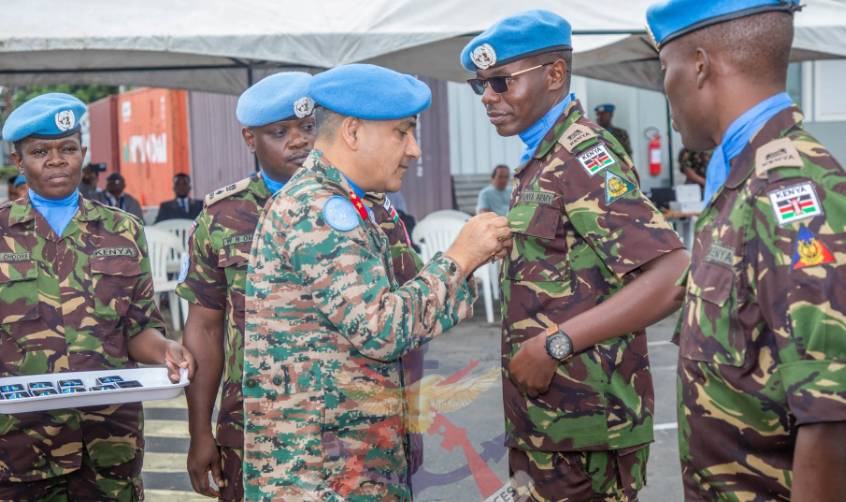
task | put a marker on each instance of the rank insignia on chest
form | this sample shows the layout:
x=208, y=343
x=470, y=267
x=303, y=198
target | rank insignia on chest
x=795, y=203
x=810, y=251
x=596, y=159
x=340, y=214
x=616, y=187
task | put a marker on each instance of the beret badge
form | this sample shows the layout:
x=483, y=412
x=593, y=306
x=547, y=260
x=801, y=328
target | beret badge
x=65, y=120
x=303, y=107
x=483, y=56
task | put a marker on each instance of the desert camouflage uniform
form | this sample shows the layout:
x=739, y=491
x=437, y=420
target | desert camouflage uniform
x=70, y=304
x=763, y=331
x=622, y=137
x=326, y=324
x=217, y=279
x=581, y=232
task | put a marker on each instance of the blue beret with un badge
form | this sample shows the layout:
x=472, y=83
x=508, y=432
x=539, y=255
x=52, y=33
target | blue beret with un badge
x=369, y=92
x=516, y=37
x=669, y=20
x=605, y=108
x=281, y=96
x=49, y=116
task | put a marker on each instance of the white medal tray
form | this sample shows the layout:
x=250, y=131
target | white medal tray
x=155, y=386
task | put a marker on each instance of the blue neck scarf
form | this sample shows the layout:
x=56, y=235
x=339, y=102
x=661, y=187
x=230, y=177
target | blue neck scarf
x=533, y=136
x=271, y=184
x=355, y=188
x=737, y=136
x=58, y=213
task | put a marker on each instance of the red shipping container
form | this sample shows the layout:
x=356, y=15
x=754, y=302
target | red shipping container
x=104, y=147
x=153, y=138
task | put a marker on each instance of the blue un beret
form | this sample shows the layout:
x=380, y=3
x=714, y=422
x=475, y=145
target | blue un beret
x=671, y=19
x=517, y=37
x=281, y=96
x=605, y=108
x=20, y=180
x=49, y=116
x=369, y=92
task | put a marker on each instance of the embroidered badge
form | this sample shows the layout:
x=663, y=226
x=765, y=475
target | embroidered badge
x=779, y=153
x=238, y=239
x=575, y=135
x=596, y=159
x=123, y=251
x=183, y=272
x=483, y=56
x=809, y=251
x=616, y=187
x=193, y=227
x=65, y=120
x=9, y=257
x=340, y=214
x=720, y=254
x=795, y=203
x=303, y=107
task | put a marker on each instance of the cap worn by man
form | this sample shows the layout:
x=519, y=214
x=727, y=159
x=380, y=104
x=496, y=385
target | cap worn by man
x=282, y=96
x=565, y=272
x=49, y=116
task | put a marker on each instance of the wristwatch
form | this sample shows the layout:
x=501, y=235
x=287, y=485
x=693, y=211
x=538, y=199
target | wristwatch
x=558, y=344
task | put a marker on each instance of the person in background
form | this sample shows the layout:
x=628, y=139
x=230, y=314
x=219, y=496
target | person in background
x=182, y=207
x=114, y=196
x=694, y=165
x=11, y=187
x=19, y=188
x=496, y=197
x=90, y=176
x=604, y=115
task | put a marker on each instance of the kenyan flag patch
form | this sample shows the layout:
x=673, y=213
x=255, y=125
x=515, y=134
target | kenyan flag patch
x=596, y=159
x=795, y=203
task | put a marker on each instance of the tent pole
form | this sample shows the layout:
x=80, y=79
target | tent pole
x=670, y=142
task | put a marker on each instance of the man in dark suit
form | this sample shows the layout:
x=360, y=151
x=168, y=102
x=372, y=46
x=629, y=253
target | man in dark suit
x=182, y=206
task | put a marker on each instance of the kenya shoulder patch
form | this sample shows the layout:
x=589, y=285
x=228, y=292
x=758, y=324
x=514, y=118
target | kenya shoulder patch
x=795, y=203
x=596, y=159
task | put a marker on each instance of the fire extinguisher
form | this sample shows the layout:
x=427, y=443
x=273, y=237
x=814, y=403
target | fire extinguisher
x=655, y=155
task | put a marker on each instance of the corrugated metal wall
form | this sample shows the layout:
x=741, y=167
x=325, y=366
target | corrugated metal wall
x=218, y=153
x=427, y=185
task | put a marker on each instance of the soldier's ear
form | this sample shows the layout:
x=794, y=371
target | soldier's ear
x=350, y=129
x=249, y=138
x=702, y=67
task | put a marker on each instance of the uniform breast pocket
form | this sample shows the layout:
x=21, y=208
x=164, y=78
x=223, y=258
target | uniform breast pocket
x=18, y=293
x=235, y=260
x=539, y=253
x=711, y=329
x=114, y=279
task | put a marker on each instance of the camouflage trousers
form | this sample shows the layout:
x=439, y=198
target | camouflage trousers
x=120, y=483
x=579, y=476
x=231, y=466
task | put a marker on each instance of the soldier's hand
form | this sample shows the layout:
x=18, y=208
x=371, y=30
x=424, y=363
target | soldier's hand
x=531, y=369
x=483, y=239
x=416, y=452
x=204, y=458
x=176, y=357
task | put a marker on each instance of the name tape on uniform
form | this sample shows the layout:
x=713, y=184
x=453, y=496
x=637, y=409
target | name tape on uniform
x=121, y=251
x=238, y=239
x=596, y=159
x=534, y=196
x=720, y=254
x=795, y=203
x=9, y=257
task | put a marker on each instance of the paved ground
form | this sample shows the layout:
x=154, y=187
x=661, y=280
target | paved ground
x=445, y=475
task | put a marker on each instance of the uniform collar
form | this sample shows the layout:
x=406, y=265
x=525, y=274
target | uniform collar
x=326, y=173
x=777, y=127
x=257, y=186
x=22, y=211
x=572, y=113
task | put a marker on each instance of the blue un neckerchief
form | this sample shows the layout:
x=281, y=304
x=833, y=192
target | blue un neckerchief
x=271, y=184
x=533, y=136
x=737, y=136
x=58, y=213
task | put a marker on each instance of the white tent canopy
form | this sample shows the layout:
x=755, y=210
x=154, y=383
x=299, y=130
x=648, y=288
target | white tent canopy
x=222, y=45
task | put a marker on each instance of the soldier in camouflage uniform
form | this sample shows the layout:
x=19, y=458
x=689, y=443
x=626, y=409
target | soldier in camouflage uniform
x=76, y=294
x=762, y=359
x=215, y=276
x=593, y=264
x=694, y=165
x=326, y=316
x=604, y=116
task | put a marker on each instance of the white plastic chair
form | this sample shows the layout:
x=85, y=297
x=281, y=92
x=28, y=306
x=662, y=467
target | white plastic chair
x=436, y=233
x=162, y=245
x=181, y=227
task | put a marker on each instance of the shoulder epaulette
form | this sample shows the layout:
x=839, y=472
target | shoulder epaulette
x=575, y=135
x=779, y=153
x=226, y=191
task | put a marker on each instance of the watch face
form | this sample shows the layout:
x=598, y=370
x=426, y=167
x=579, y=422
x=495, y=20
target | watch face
x=559, y=346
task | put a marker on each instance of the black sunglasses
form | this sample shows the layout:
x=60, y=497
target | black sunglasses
x=499, y=84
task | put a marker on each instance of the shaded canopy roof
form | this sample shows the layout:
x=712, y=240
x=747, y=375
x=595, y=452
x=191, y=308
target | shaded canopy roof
x=222, y=45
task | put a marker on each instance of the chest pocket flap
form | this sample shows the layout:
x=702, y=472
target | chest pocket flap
x=18, y=291
x=233, y=254
x=539, y=254
x=537, y=220
x=113, y=279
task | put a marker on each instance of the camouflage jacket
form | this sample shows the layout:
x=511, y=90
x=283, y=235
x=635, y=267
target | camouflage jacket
x=219, y=252
x=695, y=161
x=582, y=228
x=326, y=325
x=71, y=304
x=406, y=261
x=763, y=331
x=622, y=137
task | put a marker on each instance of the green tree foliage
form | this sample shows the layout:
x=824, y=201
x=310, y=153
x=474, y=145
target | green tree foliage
x=85, y=93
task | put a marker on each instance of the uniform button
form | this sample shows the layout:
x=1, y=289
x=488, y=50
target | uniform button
x=250, y=383
x=319, y=177
x=277, y=380
x=452, y=268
